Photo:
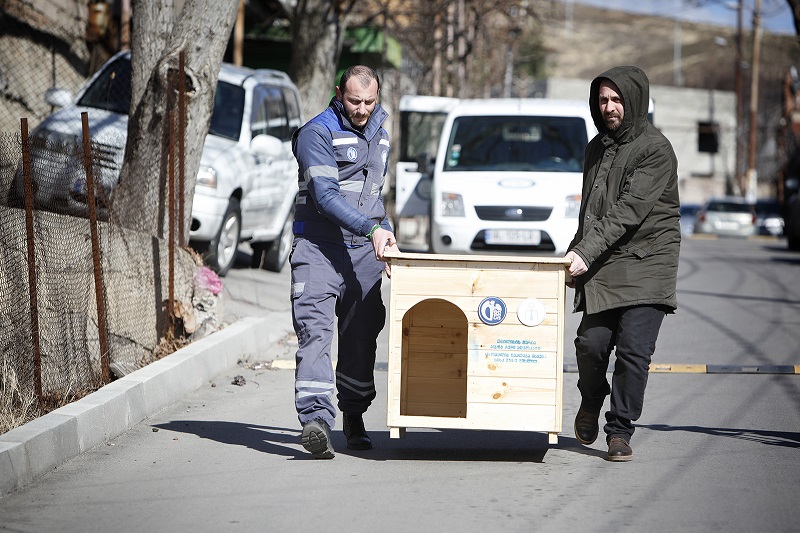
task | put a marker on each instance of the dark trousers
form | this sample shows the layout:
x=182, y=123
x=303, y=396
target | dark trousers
x=632, y=333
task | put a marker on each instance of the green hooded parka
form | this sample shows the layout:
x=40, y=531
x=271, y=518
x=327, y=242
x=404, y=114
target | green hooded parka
x=628, y=232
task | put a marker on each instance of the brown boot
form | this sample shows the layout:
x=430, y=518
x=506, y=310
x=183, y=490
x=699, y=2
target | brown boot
x=619, y=449
x=586, y=426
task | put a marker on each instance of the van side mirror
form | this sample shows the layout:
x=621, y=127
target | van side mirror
x=58, y=97
x=425, y=163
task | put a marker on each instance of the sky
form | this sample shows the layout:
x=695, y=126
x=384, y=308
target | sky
x=776, y=16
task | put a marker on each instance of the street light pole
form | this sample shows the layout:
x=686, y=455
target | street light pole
x=752, y=174
x=739, y=175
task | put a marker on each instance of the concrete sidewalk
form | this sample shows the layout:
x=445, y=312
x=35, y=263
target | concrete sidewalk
x=41, y=445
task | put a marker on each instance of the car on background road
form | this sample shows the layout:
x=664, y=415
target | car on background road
x=726, y=216
x=769, y=220
x=688, y=217
x=247, y=179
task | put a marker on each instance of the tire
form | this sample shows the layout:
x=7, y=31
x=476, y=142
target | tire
x=273, y=255
x=221, y=253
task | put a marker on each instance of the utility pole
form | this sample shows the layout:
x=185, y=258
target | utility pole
x=738, y=174
x=676, y=61
x=752, y=174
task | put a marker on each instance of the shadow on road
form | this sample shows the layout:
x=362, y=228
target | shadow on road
x=447, y=445
x=772, y=438
x=267, y=439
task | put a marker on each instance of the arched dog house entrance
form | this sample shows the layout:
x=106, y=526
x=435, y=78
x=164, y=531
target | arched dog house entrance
x=434, y=360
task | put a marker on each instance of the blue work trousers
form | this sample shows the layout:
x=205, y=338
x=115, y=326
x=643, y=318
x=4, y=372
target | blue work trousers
x=631, y=332
x=335, y=284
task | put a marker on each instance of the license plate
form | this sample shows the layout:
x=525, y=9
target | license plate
x=723, y=225
x=522, y=237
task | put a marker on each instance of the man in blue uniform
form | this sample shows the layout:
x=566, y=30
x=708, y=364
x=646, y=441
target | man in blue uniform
x=341, y=232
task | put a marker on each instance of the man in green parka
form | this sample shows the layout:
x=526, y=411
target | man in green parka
x=624, y=257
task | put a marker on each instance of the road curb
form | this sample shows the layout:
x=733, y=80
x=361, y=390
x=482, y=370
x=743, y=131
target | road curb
x=41, y=445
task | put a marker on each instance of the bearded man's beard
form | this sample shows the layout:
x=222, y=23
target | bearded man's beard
x=613, y=122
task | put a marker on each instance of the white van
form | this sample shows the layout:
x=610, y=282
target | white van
x=507, y=176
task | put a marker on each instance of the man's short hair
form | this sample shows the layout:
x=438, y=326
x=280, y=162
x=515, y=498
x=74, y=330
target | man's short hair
x=364, y=74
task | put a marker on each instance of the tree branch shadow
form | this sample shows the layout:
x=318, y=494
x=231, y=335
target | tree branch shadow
x=785, y=439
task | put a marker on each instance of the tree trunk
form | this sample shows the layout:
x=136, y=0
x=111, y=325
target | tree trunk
x=318, y=34
x=202, y=30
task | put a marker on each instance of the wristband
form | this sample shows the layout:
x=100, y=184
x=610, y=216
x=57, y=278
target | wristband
x=369, y=235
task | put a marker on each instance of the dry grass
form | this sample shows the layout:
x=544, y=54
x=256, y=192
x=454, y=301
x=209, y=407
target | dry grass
x=17, y=406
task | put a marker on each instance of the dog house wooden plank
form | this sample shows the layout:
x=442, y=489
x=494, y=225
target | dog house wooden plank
x=514, y=417
x=438, y=365
x=545, y=367
x=505, y=417
x=469, y=282
x=439, y=410
x=469, y=306
x=526, y=391
x=435, y=397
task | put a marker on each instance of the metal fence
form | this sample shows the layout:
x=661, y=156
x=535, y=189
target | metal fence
x=81, y=300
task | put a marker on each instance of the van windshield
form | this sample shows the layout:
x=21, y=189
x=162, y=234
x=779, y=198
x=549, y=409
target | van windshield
x=514, y=143
x=111, y=91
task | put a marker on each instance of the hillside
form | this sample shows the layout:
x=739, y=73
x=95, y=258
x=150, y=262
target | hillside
x=603, y=38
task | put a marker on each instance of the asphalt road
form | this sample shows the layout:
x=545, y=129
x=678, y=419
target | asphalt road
x=713, y=451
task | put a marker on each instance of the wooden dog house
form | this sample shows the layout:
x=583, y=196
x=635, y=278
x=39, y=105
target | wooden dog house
x=476, y=342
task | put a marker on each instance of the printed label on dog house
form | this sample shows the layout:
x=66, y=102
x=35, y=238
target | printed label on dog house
x=514, y=351
x=492, y=310
x=531, y=312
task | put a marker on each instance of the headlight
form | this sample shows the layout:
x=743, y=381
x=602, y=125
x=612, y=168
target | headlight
x=54, y=139
x=573, y=209
x=207, y=177
x=452, y=205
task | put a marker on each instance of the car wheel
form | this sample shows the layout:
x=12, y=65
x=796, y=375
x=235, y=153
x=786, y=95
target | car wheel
x=273, y=255
x=221, y=252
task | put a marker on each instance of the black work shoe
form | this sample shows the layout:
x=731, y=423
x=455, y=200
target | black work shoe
x=316, y=439
x=586, y=426
x=619, y=449
x=353, y=428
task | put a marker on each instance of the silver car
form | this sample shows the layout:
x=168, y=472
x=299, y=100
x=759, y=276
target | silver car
x=727, y=216
x=247, y=180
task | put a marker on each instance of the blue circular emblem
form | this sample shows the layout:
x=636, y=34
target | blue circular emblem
x=492, y=310
x=352, y=154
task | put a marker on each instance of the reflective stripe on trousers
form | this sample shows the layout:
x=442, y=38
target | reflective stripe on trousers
x=331, y=282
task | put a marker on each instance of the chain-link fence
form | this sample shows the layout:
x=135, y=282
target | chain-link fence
x=82, y=299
